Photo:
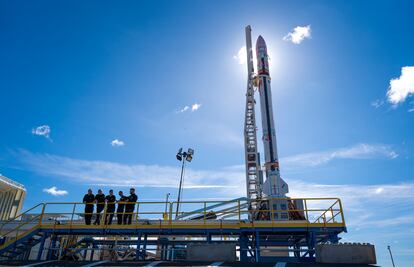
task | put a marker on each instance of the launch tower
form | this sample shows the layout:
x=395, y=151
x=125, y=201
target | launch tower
x=274, y=185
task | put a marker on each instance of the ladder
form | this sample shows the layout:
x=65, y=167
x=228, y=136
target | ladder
x=252, y=158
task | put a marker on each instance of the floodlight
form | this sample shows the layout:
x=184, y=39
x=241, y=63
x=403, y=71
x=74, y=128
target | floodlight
x=190, y=154
x=182, y=156
x=179, y=155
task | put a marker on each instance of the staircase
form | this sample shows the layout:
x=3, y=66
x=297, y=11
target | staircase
x=18, y=236
x=24, y=244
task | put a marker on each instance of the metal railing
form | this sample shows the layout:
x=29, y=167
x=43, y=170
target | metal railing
x=16, y=228
x=309, y=211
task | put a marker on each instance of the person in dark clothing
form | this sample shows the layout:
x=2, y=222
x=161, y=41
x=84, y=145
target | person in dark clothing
x=129, y=208
x=110, y=207
x=100, y=205
x=88, y=199
x=121, y=207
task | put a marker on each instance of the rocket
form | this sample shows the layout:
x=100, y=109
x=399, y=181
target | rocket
x=274, y=186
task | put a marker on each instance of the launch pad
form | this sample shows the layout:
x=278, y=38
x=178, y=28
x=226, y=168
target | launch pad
x=265, y=226
x=47, y=233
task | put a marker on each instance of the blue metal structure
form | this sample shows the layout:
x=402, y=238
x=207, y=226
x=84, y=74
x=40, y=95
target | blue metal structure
x=65, y=235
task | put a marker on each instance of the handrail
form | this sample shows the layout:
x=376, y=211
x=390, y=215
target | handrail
x=231, y=214
x=328, y=209
x=190, y=202
x=236, y=209
x=342, y=211
x=232, y=211
x=21, y=214
x=17, y=236
x=11, y=241
x=22, y=224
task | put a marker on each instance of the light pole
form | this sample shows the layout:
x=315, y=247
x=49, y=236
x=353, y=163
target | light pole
x=392, y=259
x=165, y=215
x=182, y=156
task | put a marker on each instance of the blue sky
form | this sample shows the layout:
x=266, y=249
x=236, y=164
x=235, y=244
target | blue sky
x=99, y=71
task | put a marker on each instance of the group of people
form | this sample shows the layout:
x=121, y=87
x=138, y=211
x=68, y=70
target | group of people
x=124, y=211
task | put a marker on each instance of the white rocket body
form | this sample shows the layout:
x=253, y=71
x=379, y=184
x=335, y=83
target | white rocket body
x=274, y=186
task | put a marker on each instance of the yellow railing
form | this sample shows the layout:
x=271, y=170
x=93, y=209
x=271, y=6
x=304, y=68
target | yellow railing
x=13, y=220
x=325, y=212
x=18, y=227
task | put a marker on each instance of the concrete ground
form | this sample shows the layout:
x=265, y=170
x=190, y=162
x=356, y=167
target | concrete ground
x=166, y=263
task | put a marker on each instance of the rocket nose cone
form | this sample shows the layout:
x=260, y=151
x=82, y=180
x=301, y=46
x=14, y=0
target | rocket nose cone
x=260, y=43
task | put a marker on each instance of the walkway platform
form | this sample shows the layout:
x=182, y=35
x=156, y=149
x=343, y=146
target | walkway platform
x=53, y=231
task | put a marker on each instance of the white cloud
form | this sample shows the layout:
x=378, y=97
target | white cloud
x=195, y=107
x=402, y=87
x=117, y=143
x=359, y=151
x=55, y=192
x=396, y=221
x=354, y=193
x=43, y=130
x=110, y=173
x=241, y=56
x=298, y=34
x=377, y=103
x=184, y=109
x=357, y=198
x=379, y=190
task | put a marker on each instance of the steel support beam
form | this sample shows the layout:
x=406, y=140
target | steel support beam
x=51, y=247
x=144, y=246
x=257, y=246
x=243, y=240
x=138, y=252
x=41, y=247
x=311, y=240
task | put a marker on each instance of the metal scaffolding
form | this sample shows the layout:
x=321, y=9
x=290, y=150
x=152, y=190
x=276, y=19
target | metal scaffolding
x=56, y=231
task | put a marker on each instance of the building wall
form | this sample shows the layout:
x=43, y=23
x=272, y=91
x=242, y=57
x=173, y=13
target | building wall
x=12, y=195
